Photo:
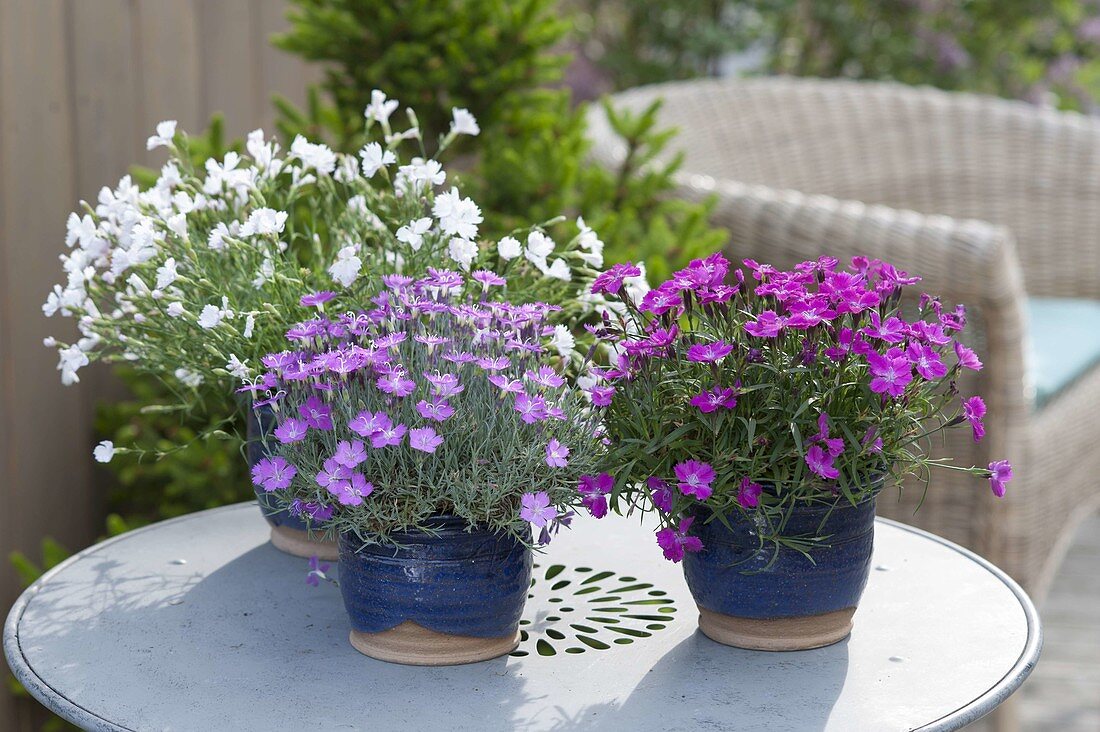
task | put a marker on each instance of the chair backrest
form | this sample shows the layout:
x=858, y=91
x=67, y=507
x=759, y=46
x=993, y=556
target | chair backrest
x=1034, y=171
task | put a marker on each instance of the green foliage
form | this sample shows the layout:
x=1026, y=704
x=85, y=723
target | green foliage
x=1033, y=49
x=529, y=163
x=173, y=470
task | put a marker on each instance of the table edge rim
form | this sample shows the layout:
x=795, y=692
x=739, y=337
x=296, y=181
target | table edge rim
x=85, y=718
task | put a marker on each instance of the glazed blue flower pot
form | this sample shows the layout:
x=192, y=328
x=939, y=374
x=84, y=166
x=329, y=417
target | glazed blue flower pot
x=749, y=596
x=447, y=597
x=289, y=533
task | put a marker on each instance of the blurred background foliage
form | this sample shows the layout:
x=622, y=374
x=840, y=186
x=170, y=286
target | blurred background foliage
x=1043, y=51
x=525, y=69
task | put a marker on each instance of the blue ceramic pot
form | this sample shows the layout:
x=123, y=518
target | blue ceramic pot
x=451, y=596
x=751, y=597
x=289, y=533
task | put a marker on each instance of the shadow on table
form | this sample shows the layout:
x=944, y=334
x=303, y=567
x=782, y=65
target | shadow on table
x=702, y=685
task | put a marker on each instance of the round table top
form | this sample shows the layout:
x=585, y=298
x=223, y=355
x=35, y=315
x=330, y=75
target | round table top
x=198, y=623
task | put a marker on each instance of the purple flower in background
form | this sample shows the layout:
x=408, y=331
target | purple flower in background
x=709, y=352
x=317, y=298
x=494, y=364
x=601, y=395
x=967, y=358
x=891, y=373
x=926, y=361
x=316, y=413
x=955, y=320
x=389, y=341
x=424, y=439
x=748, y=494
x=388, y=436
x=316, y=572
x=459, y=357
x=556, y=454
x=435, y=410
x=350, y=454
x=396, y=384
x=536, y=508
x=488, y=279
x=660, y=493
x=546, y=376
x=531, y=409
x=593, y=489
x=444, y=385
x=766, y=325
x=675, y=542
x=273, y=473
x=821, y=462
x=291, y=430
x=611, y=280
x=508, y=386
x=660, y=339
x=709, y=401
x=1000, y=472
x=695, y=478
x=926, y=332
x=367, y=423
x=974, y=410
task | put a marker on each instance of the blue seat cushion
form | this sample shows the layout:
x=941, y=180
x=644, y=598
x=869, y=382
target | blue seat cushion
x=1065, y=343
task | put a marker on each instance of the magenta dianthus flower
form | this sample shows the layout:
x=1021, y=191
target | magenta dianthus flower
x=891, y=373
x=695, y=478
x=766, y=325
x=974, y=410
x=713, y=399
x=675, y=542
x=709, y=352
x=748, y=494
x=1000, y=472
x=611, y=280
x=821, y=462
x=350, y=453
x=593, y=489
x=273, y=473
x=660, y=494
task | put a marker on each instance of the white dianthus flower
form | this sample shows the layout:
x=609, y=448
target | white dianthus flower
x=237, y=367
x=166, y=273
x=380, y=108
x=188, y=378
x=319, y=157
x=175, y=309
x=559, y=269
x=463, y=252
x=509, y=248
x=463, y=122
x=413, y=233
x=264, y=221
x=104, y=451
x=457, y=215
x=563, y=341
x=210, y=317
x=166, y=130
x=375, y=158
x=346, y=267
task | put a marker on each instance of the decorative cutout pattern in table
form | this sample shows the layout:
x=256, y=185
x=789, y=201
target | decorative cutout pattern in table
x=579, y=609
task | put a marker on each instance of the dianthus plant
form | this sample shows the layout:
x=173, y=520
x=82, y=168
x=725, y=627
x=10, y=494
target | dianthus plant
x=437, y=400
x=196, y=278
x=757, y=394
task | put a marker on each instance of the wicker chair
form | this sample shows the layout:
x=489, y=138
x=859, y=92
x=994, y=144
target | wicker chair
x=994, y=203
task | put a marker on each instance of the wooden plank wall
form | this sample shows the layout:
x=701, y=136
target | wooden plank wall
x=82, y=84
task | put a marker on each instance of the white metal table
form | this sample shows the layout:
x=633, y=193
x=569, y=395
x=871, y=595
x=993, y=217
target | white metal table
x=200, y=624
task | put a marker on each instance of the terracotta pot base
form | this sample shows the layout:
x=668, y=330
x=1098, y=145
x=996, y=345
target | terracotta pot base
x=415, y=645
x=300, y=544
x=780, y=634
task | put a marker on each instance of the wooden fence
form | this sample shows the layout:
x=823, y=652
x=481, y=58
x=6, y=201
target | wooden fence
x=82, y=84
